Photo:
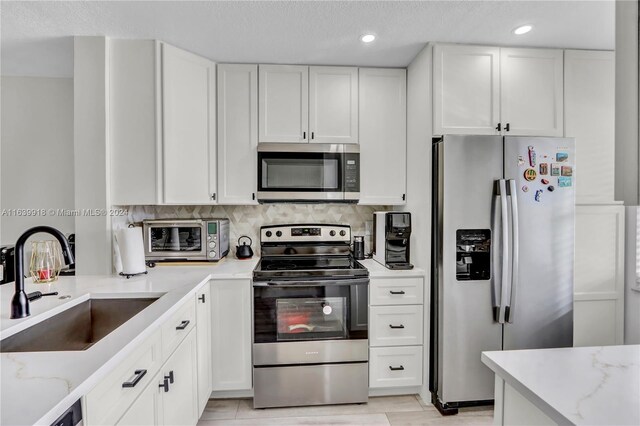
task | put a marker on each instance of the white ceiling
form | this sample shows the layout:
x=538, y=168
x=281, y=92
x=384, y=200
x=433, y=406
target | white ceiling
x=36, y=36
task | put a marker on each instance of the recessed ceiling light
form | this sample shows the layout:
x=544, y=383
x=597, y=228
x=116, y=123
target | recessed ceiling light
x=367, y=38
x=522, y=29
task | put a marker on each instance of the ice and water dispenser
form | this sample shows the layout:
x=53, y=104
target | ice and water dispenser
x=473, y=254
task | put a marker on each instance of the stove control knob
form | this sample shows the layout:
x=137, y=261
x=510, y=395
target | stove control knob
x=343, y=233
x=332, y=233
x=278, y=233
x=212, y=253
x=212, y=244
x=268, y=233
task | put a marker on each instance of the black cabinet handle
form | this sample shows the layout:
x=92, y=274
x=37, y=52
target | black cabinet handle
x=396, y=326
x=304, y=135
x=253, y=195
x=201, y=298
x=506, y=127
x=312, y=135
x=396, y=292
x=183, y=325
x=396, y=368
x=404, y=197
x=213, y=196
x=499, y=127
x=169, y=377
x=139, y=374
x=165, y=384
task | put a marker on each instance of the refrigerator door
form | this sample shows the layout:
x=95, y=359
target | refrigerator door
x=542, y=171
x=466, y=250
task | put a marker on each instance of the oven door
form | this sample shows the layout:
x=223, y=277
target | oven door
x=310, y=321
x=175, y=240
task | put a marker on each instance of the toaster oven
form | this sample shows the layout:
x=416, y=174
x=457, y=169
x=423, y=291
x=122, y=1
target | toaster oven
x=186, y=240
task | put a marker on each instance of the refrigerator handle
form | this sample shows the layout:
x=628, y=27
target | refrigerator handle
x=504, y=250
x=515, y=258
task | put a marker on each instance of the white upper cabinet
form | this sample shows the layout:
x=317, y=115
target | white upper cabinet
x=283, y=103
x=497, y=91
x=466, y=90
x=237, y=133
x=333, y=104
x=589, y=106
x=532, y=91
x=383, y=136
x=188, y=106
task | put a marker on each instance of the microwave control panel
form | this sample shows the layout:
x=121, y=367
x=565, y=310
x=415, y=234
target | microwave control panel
x=351, y=172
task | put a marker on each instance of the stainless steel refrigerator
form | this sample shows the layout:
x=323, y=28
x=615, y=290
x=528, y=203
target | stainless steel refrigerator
x=503, y=244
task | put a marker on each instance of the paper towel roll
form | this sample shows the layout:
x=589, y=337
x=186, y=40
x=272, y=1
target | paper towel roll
x=131, y=248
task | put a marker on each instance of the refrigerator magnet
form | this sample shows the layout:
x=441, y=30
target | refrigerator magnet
x=538, y=195
x=566, y=171
x=532, y=156
x=525, y=188
x=520, y=160
x=561, y=157
x=545, y=181
x=564, y=181
x=544, y=168
x=555, y=169
x=551, y=188
x=530, y=174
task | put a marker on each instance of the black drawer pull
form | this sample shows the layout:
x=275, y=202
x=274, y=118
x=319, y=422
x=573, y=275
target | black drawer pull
x=396, y=292
x=139, y=374
x=396, y=326
x=164, y=384
x=183, y=325
x=396, y=368
x=201, y=298
x=170, y=377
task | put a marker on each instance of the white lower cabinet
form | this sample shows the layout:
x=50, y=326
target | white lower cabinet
x=203, y=334
x=146, y=409
x=231, y=335
x=179, y=400
x=395, y=366
x=396, y=322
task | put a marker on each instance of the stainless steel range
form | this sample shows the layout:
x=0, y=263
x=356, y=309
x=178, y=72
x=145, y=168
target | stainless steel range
x=310, y=333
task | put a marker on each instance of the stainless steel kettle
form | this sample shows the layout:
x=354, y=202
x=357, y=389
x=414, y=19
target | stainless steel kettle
x=244, y=251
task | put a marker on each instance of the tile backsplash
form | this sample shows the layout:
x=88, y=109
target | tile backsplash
x=247, y=220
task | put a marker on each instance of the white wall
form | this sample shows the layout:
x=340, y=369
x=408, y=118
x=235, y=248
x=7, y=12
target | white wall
x=91, y=154
x=627, y=153
x=36, y=153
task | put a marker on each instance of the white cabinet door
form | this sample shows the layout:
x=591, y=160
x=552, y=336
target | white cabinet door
x=203, y=339
x=145, y=411
x=133, y=122
x=283, y=103
x=188, y=111
x=599, y=276
x=180, y=403
x=231, y=334
x=531, y=92
x=466, y=90
x=383, y=136
x=237, y=133
x=333, y=104
x=589, y=107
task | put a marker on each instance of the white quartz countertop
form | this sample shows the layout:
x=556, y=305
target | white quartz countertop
x=377, y=270
x=578, y=386
x=36, y=387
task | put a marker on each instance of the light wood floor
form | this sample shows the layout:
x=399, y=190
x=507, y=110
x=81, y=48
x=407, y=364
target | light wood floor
x=387, y=410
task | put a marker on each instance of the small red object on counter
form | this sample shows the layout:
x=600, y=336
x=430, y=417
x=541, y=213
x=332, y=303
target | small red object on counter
x=44, y=274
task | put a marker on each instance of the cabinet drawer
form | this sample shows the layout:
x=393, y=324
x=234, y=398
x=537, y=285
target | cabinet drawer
x=396, y=291
x=395, y=367
x=395, y=325
x=109, y=400
x=176, y=328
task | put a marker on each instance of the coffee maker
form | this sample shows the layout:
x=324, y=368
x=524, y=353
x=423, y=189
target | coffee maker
x=391, y=234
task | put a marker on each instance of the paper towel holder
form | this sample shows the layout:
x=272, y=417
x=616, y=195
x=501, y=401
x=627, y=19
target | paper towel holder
x=124, y=274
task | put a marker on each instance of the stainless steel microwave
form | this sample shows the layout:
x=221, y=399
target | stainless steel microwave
x=188, y=239
x=308, y=172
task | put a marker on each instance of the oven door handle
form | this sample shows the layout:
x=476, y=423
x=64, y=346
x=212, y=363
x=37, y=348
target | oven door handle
x=311, y=283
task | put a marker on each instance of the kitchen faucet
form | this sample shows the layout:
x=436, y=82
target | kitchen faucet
x=20, y=302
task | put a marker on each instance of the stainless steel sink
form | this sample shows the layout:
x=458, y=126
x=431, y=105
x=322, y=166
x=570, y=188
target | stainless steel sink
x=77, y=328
